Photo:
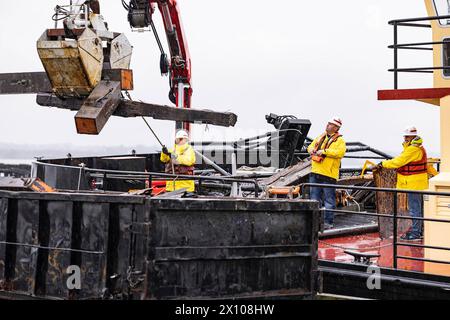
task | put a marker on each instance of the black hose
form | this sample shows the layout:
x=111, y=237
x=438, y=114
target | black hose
x=158, y=41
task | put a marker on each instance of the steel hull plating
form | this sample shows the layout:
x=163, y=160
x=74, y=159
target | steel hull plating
x=142, y=248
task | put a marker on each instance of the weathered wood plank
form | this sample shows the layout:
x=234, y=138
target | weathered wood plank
x=347, y=181
x=128, y=109
x=24, y=83
x=38, y=83
x=387, y=178
x=98, y=107
x=289, y=176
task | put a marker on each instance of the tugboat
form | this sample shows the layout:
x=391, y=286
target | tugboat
x=105, y=227
x=421, y=269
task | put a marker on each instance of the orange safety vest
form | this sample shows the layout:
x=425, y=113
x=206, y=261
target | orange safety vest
x=319, y=143
x=416, y=167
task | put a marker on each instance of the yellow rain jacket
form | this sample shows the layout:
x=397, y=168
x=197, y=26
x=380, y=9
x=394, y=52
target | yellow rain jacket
x=411, y=153
x=185, y=157
x=332, y=162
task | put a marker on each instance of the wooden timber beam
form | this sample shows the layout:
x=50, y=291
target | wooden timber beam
x=128, y=109
x=289, y=176
x=98, y=107
x=38, y=83
x=24, y=83
x=350, y=181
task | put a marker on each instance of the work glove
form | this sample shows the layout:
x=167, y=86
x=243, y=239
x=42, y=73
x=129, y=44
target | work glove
x=165, y=151
x=173, y=158
x=319, y=153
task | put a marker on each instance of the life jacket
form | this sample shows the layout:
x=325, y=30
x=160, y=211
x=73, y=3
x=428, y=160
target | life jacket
x=416, y=167
x=319, y=144
x=179, y=168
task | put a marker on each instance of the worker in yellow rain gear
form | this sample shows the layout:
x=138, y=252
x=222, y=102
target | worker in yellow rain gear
x=179, y=160
x=326, y=152
x=412, y=174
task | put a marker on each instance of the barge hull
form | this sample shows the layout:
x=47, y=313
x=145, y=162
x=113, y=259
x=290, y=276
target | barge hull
x=136, y=247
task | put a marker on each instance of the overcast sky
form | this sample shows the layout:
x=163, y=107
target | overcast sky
x=312, y=59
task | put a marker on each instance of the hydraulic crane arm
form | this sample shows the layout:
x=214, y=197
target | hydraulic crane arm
x=179, y=67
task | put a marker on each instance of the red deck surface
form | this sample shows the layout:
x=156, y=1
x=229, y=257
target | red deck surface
x=371, y=243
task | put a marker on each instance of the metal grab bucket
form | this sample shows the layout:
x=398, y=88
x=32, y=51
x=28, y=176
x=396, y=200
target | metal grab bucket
x=74, y=67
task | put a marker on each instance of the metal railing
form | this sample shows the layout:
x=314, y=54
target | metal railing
x=154, y=176
x=157, y=176
x=394, y=216
x=413, y=46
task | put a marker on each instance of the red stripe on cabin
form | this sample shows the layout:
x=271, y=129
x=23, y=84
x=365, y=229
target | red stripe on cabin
x=413, y=94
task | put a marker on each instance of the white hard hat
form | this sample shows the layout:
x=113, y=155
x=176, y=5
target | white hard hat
x=181, y=134
x=410, y=131
x=336, y=121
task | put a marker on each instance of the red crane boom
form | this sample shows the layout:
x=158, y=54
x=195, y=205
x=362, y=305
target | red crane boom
x=179, y=67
